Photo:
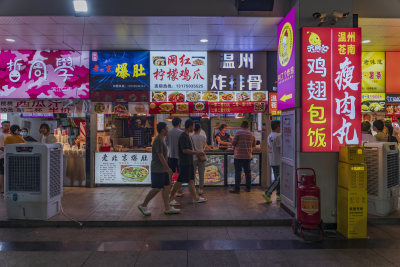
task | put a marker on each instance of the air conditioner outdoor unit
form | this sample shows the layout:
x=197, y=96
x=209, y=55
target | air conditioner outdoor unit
x=382, y=160
x=33, y=180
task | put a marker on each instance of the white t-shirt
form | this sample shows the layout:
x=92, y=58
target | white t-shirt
x=2, y=137
x=274, y=149
x=199, y=141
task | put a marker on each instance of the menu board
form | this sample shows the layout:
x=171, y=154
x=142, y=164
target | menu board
x=237, y=71
x=122, y=168
x=254, y=166
x=44, y=74
x=119, y=71
x=178, y=108
x=178, y=71
x=214, y=172
x=373, y=102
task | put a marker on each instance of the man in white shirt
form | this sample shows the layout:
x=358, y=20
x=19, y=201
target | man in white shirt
x=5, y=131
x=274, y=155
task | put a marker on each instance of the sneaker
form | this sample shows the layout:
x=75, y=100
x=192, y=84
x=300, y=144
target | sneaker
x=171, y=211
x=144, y=211
x=278, y=198
x=200, y=192
x=200, y=200
x=267, y=198
x=180, y=194
x=233, y=191
x=174, y=203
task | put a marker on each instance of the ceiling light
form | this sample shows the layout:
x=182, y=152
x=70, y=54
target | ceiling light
x=239, y=116
x=10, y=40
x=80, y=6
x=204, y=40
x=205, y=116
x=366, y=41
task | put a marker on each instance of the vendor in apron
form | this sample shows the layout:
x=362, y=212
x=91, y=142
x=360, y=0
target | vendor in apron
x=224, y=140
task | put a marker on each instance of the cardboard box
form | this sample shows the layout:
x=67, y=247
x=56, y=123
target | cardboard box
x=351, y=154
x=352, y=176
x=352, y=213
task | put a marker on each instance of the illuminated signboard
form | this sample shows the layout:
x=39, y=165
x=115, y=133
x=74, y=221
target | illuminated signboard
x=286, y=62
x=331, y=88
x=44, y=74
x=373, y=72
x=373, y=102
x=273, y=106
x=178, y=71
x=237, y=71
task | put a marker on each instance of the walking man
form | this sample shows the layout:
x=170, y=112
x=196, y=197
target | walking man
x=160, y=173
x=186, y=167
x=243, y=143
x=274, y=155
x=172, y=143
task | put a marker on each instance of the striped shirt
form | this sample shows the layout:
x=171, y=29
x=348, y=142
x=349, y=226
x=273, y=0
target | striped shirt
x=244, y=142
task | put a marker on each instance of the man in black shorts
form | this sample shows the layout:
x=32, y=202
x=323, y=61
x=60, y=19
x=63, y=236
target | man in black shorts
x=160, y=173
x=186, y=166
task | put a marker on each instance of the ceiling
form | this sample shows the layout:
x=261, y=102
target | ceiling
x=384, y=34
x=139, y=33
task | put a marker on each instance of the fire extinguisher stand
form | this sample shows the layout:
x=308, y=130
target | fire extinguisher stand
x=308, y=203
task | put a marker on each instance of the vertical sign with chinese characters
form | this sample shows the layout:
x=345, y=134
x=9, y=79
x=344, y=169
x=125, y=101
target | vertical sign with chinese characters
x=178, y=71
x=286, y=61
x=331, y=88
x=237, y=71
x=373, y=72
x=273, y=107
x=44, y=74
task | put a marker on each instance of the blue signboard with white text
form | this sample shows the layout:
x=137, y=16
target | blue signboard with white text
x=119, y=71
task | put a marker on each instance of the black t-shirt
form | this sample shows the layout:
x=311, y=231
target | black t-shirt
x=224, y=138
x=185, y=143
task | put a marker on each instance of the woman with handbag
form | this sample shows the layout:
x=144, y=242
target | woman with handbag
x=199, y=142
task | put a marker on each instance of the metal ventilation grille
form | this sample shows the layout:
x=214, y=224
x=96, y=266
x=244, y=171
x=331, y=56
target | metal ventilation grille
x=371, y=160
x=23, y=173
x=55, y=179
x=392, y=169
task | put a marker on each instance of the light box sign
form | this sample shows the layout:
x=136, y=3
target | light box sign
x=119, y=71
x=44, y=74
x=237, y=71
x=178, y=71
x=373, y=72
x=331, y=88
x=286, y=62
x=373, y=102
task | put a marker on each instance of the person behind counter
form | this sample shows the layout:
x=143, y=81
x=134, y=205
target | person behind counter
x=15, y=137
x=199, y=143
x=366, y=135
x=186, y=168
x=391, y=138
x=243, y=143
x=47, y=137
x=378, y=127
x=25, y=134
x=5, y=131
x=161, y=173
x=223, y=138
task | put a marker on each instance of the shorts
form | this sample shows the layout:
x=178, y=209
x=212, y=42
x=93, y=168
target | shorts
x=173, y=164
x=2, y=166
x=159, y=179
x=186, y=173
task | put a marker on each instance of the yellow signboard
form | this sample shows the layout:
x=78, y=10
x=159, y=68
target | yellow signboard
x=373, y=72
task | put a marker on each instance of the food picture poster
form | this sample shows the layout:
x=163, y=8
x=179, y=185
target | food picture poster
x=119, y=71
x=178, y=71
x=122, y=168
x=373, y=102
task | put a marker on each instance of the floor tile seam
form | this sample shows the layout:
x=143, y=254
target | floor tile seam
x=87, y=258
x=382, y=256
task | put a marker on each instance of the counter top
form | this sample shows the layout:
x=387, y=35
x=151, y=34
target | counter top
x=226, y=152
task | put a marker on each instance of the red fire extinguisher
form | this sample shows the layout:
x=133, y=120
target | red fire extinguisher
x=308, y=202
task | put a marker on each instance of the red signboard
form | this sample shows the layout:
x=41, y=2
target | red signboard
x=238, y=107
x=331, y=88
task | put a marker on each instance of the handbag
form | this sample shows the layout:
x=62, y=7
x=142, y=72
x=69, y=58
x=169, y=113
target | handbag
x=201, y=158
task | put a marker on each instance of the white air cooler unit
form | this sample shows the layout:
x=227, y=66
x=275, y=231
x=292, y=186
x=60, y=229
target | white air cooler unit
x=33, y=180
x=382, y=160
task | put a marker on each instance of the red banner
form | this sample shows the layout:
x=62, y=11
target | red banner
x=239, y=107
x=331, y=88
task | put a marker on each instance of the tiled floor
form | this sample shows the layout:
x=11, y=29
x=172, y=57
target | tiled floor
x=120, y=204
